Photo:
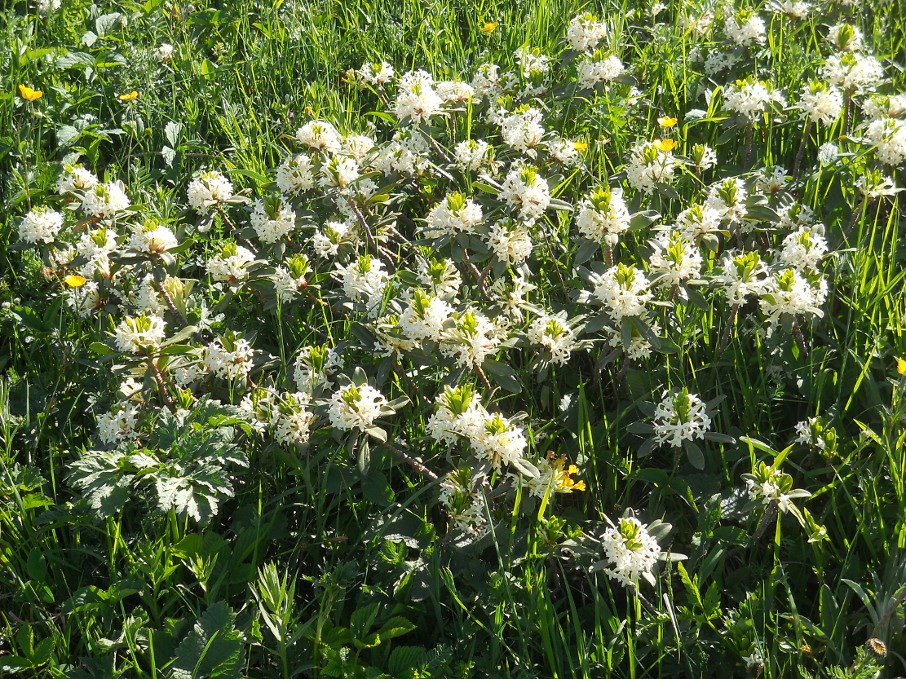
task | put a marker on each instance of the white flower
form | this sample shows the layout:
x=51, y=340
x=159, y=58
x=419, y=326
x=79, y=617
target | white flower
x=498, y=441
x=603, y=216
x=416, y=98
x=591, y=72
x=455, y=214
x=821, y=103
x=327, y=241
x=563, y=151
x=454, y=91
x=272, y=219
x=460, y=494
x=229, y=360
x=207, y=190
x=728, y=198
x=526, y=189
x=357, y=146
x=119, y=424
x=376, y=73
x=486, y=83
x=95, y=247
x=552, y=332
x=41, y=225
x=845, y=37
x=522, y=129
x=853, y=72
x=533, y=65
x=84, y=300
x=139, y=334
x=884, y=106
x=828, y=153
x=679, y=417
x=153, y=238
x=286, y=286
x=804, y=248
x=75, y=178
x=789, y=292
x=292, y=419
x=585, y=31
x=742, y=275
x=355, y=407
x=631, y=551
x=231, y=265
x=697, y=221
x=364, y=280
x=473, y=154
x=745, y=28
x=163, y=52
x=319, y=135
x=295, y=175
x=675, y=259
x=749, y=98
x=703, y=157
x=471, y=339
x=459, y=414
x=424, y=318
x=314, y=365
x=648, y=167
x=441, y=277
x=339, y=172
x=888, y=136
x=622, y=291
x=639, y=347
x=103, y=200
x=510, y=241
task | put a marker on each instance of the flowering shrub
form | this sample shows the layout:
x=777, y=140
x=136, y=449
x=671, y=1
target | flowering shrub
x=490, y=332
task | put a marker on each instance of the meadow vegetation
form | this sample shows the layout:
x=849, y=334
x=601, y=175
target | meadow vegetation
x=447, y=338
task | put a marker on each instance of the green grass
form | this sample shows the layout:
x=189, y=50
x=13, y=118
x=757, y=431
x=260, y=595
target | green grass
x=322, y=565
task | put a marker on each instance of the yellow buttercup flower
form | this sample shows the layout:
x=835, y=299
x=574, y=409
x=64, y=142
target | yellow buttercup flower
x=74, y=281
x=29, y=94
x=901, y=366
x=665, y=145
x=666, y=121
x=580, y=146
x=489, y=27
x=129, y=96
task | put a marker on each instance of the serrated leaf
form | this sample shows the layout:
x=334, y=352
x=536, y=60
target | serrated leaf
x=212, y=649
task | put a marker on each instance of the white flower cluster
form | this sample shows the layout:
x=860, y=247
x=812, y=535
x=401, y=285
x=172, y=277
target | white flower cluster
x=680, y=416
x=622, y=291
x=40, y=225
x=631, y=552
x=140, y=334
x=356, y=407
x=584, y=32
x=552, y=332
x=207, y=190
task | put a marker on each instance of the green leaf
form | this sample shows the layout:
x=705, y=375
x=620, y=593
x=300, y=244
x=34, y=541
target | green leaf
x=397, y=626
x=104, y=23
x=213, y=648
x=362, y=619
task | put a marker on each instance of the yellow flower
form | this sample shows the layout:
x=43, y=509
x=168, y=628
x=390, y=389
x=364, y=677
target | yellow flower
x=489, y=27
x=563, y=481
x=666, y=121
x=29, y=94
x=665, y=145
x=74, y=281
x=901, y=366
x=580, y=146
x=129, y=96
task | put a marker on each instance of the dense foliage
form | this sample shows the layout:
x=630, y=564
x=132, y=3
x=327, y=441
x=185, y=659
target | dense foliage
x=452, y=339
